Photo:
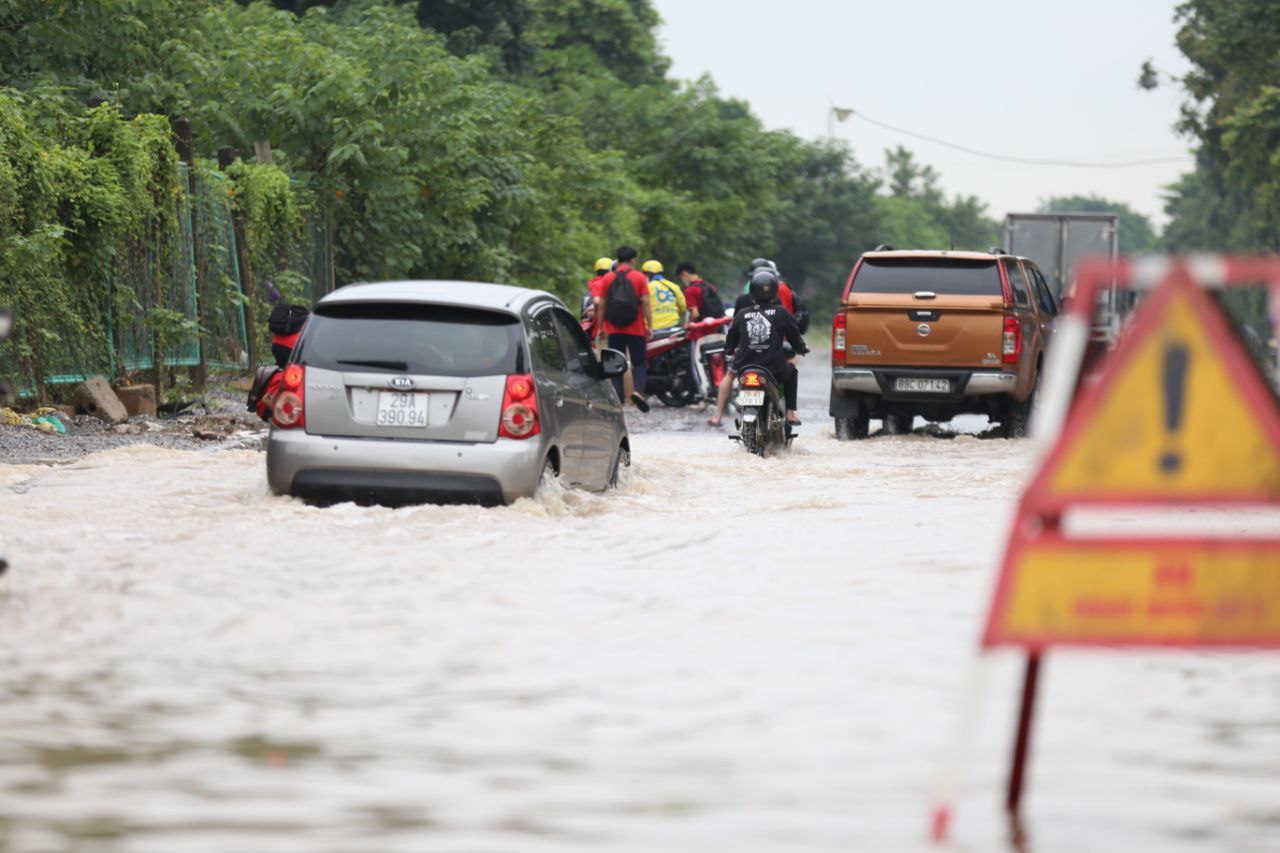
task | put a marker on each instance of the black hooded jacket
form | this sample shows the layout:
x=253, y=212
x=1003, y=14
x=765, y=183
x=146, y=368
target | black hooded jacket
x=756, y=336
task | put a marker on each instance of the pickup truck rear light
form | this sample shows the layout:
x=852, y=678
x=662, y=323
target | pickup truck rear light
x=289, y=409
x=519, y=408
x=1012, y=339
x=839, y=325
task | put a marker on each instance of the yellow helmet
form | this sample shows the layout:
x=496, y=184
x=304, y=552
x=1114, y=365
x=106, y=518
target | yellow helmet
x=604, y=264
x=652, y=267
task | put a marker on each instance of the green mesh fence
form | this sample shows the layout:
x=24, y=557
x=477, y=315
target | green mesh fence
x=218, y=272
x=297, y=266
x=176, y=270
x=67, y=351
x=154, y=302
x=180, y=289
x=132, y=295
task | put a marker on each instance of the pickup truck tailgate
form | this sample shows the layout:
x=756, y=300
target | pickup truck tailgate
x=902, y=330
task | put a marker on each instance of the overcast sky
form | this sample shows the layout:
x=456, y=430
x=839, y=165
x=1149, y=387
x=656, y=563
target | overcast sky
x=1029, y=78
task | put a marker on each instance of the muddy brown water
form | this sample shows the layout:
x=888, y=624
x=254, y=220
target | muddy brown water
x=726, y=654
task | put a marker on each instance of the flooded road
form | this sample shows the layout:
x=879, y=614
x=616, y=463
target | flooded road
x=727, y=654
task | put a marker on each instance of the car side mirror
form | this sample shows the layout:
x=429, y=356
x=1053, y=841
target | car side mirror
x=612, y=363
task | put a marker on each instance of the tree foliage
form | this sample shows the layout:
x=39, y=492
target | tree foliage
x=1232, y=111
x=75, y=203
x=917, y=213
x=508, y=140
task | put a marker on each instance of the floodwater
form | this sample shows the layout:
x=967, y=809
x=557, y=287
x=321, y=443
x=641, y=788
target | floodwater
x=727, y=654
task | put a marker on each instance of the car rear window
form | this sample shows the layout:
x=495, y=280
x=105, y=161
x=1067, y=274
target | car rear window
x=412, y=338
x=952, y=276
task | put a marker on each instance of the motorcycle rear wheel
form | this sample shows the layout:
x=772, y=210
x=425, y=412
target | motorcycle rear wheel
x=751, y=438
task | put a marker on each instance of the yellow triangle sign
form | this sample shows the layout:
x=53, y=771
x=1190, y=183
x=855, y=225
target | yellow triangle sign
x=1180, y=415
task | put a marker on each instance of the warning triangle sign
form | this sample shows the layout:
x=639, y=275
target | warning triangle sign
x=1180, y=415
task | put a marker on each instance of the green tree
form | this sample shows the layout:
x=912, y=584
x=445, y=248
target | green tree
x=1232, y=110
x=917, y=214
x=572, y=39
x=828, y=216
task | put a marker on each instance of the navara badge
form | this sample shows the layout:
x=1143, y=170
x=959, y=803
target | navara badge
x=923, y=330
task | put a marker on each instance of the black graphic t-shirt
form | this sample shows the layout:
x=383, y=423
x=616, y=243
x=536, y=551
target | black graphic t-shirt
x=756, y=337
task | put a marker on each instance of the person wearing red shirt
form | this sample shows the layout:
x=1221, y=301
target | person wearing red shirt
x=786, y=296
x=694, y=290
x=633, y=337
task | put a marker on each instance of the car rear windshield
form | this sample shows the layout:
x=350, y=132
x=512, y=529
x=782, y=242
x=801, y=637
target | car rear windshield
x=951, y=276
x=436, y=340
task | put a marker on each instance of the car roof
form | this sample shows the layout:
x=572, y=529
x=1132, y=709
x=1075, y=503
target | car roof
x=940, y=253
x=472, y=294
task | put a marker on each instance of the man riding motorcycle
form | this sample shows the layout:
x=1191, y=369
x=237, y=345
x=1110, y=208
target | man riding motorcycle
x=757, y=337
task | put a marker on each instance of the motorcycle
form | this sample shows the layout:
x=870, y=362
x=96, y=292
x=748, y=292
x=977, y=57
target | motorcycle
x=762, y=423
x=680, y=370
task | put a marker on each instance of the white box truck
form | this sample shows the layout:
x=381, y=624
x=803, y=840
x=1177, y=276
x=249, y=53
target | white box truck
x=1057, y=242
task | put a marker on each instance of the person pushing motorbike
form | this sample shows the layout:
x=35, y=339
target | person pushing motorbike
x=757, y=337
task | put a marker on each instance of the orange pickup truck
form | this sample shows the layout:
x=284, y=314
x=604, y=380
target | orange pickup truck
x=937, y=334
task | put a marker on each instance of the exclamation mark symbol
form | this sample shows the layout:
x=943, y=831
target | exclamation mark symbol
x=1177, y=359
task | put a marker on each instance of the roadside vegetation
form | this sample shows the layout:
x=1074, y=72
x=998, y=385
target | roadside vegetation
x=502, y=140
x=508, y=140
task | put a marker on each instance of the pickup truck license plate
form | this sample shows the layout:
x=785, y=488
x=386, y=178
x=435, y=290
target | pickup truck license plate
x=928, y=386
x=402, y=408
x=750, y=398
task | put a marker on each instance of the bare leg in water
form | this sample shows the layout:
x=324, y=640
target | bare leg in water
x=722, y=398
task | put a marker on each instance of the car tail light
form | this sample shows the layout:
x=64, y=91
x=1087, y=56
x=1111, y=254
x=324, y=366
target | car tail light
x=289, y=410
x=752, y=380
x=1012, y=339
x=838, y=327
x=519, y=408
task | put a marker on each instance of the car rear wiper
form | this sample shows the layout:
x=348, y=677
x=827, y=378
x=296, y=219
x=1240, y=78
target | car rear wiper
x=389, y=365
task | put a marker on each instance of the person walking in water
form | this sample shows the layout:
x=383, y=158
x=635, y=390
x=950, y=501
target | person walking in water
x=622, y=298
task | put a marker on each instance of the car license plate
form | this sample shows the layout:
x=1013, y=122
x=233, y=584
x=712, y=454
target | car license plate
x=402, y=408
x=927, y=386
x=750, y=398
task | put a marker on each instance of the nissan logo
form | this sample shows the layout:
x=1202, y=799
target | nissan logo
x=401, y=382
x=923, y=330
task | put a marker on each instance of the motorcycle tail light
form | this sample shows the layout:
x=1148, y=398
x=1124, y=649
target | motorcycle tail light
x=753, y=380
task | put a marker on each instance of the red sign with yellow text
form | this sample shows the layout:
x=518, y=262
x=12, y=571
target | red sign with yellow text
x=1180, y=416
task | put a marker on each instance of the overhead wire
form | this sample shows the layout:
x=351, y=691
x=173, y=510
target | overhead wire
x=1029, y=161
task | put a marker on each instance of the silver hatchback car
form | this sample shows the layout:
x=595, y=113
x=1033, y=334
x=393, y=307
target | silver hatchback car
x=444, y=391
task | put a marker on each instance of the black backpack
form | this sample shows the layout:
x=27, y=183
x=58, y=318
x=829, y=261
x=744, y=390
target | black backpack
x=712, y=306
x=287, y=319
x=621, y=302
